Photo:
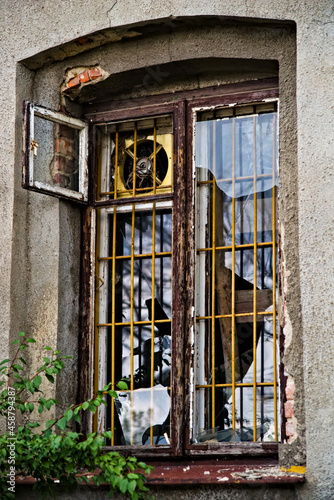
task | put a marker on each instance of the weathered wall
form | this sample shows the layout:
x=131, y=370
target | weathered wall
x=37, y=232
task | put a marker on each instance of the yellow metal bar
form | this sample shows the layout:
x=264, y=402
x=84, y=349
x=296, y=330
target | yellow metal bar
x=126, y=191
x=131, y=316
x=236, y=315
x=154, y=158
x=240, y=178
x=237, y=247
x=135, y=323
x=116, y=165
x=255, y=281
x=213, y=291
x=137, y=256
x=233, y=275
x=243, y=384
x=153, y=308
x=113, y=311
x=134, y=160
x=274, y=278
x=96, y=320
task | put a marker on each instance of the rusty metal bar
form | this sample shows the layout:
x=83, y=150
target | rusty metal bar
x=255, y=281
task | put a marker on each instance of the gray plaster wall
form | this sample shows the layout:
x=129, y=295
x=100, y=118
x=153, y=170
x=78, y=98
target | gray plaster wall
x=38, y=233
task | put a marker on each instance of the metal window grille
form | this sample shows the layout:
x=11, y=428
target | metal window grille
x=133, y=296
x=235, y=298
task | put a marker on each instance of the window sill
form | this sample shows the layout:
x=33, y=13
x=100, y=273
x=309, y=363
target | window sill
x=217, y=472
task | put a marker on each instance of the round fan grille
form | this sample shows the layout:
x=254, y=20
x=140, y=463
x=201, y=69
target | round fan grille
x=144, y=165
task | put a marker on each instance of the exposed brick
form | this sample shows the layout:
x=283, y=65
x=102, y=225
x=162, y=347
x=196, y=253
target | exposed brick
x=288, y=409
x=64, y=146
x=74, y=82
x=94, y=73
x=84, y=77
x=290, y=429
x=290, y=389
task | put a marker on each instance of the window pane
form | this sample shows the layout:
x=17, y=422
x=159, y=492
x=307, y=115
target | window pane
x=134, y=257
x=140, y=149
x=235, y=296
x=57, y=160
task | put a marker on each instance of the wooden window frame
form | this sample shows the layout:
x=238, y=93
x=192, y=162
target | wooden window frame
x=181, y=107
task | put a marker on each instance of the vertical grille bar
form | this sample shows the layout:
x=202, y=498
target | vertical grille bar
x=113, y=311
x=274, y=277
x=255, y=281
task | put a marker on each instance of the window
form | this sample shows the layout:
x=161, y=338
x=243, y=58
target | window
x=183, y=192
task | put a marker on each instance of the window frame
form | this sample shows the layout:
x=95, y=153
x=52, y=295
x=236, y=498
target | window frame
x=30, y=110
x=182, y=107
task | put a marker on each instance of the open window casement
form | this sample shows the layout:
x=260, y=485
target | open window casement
x=55, y=159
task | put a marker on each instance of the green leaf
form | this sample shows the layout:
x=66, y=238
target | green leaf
x=92, y=407
x=22, y=334
x=68, y=415
x=46, y=360
x=4, y=361
x=132, y=486
x=22, y=361
x=123, y=485
x=50, y=422
x=32, y=425
x=122, y=385
x=50, y=378
x=77, y=418
x=31, y=341
x=18, y=367
x=16, y=341
x=61, y=424
x=47, y=348
x=85, y=405
x=37, y=381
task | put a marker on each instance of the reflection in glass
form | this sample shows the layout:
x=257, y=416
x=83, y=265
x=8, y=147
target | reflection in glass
x=235, y=299
x=137, y=292
x=57, y=159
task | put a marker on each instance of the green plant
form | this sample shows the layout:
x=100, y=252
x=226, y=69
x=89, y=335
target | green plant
x=56, y=455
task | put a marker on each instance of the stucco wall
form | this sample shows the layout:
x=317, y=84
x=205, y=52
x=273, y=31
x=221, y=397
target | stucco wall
x=33, y=238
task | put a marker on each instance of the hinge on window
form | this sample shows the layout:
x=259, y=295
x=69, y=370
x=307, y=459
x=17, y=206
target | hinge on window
x=34, y=147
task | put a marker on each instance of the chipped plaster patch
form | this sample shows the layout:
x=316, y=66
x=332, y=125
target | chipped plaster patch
x=79, y=77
